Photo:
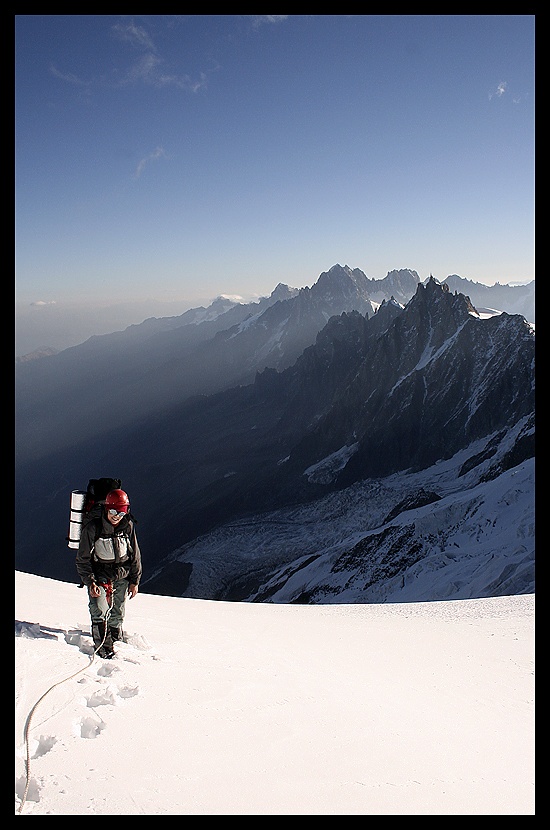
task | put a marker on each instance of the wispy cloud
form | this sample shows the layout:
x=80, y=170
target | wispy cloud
x=156, y=154
x=499, y=91
x=259, y=19
x=149, y=68
x=69, y=77
x=133, y=34
x=502, y=89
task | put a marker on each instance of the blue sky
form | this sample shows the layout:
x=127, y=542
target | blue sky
x=186, y=156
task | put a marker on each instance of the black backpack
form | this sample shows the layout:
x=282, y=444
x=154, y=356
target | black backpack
x=99, y=488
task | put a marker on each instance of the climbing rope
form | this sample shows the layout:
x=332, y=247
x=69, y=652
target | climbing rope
x=109, y=595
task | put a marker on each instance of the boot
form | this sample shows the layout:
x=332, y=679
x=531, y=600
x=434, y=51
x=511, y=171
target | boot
x=116, y=633
x=106, y=650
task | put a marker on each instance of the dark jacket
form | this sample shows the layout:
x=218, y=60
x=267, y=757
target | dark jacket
x=106, y=553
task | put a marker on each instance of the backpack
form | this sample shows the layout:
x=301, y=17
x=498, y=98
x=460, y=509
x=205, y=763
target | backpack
x=87, y=505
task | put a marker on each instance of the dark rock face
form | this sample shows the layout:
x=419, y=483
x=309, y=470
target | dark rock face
x=419, y=499
x=437, y=378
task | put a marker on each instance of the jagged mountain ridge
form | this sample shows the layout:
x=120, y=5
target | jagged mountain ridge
x=201, y=351
x=442, y=367
x=417, y=386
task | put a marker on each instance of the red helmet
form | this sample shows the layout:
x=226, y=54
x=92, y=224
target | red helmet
x=118, y=499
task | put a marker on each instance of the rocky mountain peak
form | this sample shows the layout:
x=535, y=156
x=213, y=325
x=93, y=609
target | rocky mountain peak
x=342, y=278
x=435, y=313
x=283, y=292
x=405, y=403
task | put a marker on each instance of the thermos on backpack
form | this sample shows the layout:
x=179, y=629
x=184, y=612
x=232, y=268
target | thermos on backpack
x=82, y=502
x=78, y=498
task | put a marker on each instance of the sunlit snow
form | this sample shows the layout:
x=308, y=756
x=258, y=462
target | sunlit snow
x=219, y=708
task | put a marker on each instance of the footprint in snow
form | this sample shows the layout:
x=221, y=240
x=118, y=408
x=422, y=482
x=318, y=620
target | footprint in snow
x=89, y=728
x=106, y=670
x=33, y=792
x=103, y=697
x=44, y=744
x=110, y=695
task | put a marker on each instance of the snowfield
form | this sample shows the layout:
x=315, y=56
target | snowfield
x=220, y=708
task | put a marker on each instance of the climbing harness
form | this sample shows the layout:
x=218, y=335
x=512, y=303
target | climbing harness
x=108, y=587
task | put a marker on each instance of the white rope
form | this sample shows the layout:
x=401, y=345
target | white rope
x=40, y=699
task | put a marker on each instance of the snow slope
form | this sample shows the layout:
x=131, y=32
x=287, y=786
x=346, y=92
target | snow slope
x=218, y=708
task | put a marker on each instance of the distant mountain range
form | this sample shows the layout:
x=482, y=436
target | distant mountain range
x=164, y=361
x=514, y=299
x=308, y=395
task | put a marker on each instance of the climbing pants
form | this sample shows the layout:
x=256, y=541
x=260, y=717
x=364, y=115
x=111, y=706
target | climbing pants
x=99, y=606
